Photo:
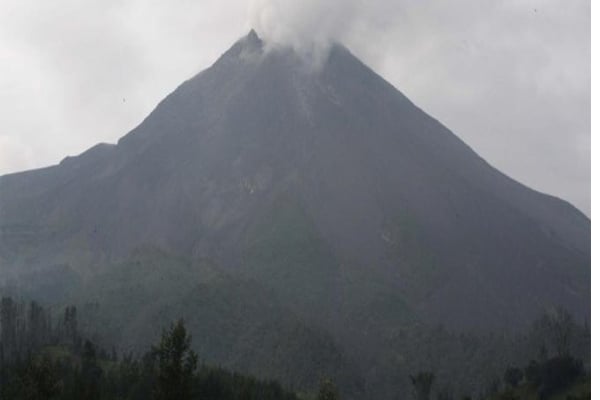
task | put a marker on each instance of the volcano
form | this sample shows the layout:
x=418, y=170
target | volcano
x=319, y=186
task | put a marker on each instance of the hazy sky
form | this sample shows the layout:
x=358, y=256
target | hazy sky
x=510, y=77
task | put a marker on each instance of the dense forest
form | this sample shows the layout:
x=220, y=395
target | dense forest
x=46, y=354
x=43, y=360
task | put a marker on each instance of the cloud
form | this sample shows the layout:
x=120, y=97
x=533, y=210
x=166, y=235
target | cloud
x=511, y=78
x=14, y=154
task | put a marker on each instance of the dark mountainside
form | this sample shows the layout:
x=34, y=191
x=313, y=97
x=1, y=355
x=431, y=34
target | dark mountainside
x=277, y=207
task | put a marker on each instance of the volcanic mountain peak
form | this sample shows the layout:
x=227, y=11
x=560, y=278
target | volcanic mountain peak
x=327, y=181
x=248, y=48
x=252, y=39
x=308, y=59
x=278, y=206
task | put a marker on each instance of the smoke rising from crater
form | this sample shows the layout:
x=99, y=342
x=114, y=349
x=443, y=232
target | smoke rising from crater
x=303, y=23
x=310, y=27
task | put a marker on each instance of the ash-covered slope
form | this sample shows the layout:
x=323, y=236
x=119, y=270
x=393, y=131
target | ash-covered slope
x=325, y=184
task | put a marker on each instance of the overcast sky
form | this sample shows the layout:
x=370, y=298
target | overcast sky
x=509, y=77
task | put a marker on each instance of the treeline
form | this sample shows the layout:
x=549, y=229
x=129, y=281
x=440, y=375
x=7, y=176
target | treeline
x=540, y=379
x=46, y=356
x=560, y=360
x=46, y=360
x=27, y=327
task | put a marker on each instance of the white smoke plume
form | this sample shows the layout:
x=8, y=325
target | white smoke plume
x=312, y=26
x=301, y=22
x=309, y=26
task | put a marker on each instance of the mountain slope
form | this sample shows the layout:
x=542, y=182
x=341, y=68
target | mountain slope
x=325, y=185
x=236, y=323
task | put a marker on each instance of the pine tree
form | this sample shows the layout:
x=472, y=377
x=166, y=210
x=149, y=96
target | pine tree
x=177, y=364
x=8, y=324
x=91, y=374
x=39, y=380
x=422, y=384
x=328, y=390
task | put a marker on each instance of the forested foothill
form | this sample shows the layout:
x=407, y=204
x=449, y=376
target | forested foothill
x=46, y=354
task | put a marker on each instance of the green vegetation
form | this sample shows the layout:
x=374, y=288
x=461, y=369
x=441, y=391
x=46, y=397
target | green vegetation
x=556, y=384
x=236, y=323
x=422, y=383
x=62, y=365
x=42, y=357
x=177, y=364
x=328, y=391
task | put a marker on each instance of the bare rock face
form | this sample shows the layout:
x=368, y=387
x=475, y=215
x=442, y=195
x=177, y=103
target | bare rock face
x=323, y=183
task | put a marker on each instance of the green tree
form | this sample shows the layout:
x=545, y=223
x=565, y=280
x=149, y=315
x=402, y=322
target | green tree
x=513, y=376
x=533, y=372
x=39, y=381
x=177, y=364
x=557, y=328
x=328, y=390
x=8, y=333
x=90, y=376
x=562, y=326
x=422, y=384
x=70, y=325
x=37, y=326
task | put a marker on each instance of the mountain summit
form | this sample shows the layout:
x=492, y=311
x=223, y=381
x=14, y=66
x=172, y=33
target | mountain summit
x=327, y=186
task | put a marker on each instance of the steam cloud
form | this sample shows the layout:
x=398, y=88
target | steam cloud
x=309, y=26
x=296, y=22
x=312, y=26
